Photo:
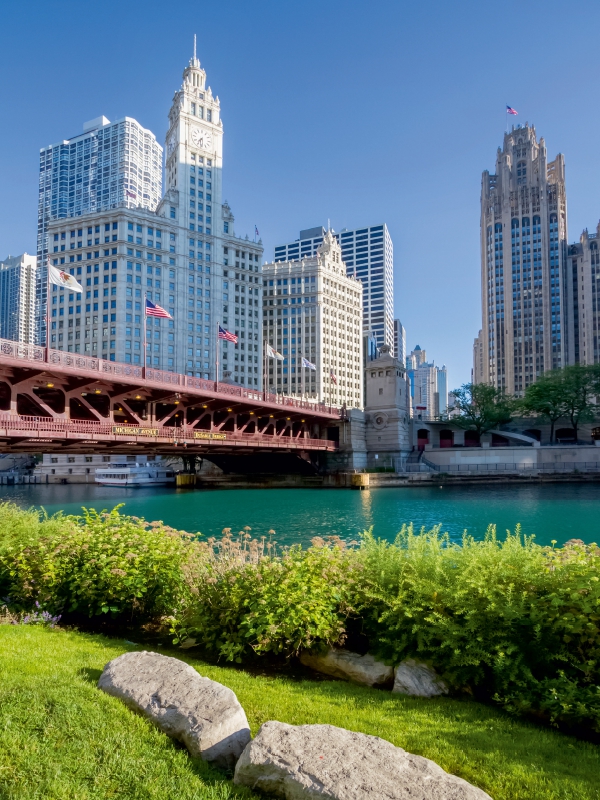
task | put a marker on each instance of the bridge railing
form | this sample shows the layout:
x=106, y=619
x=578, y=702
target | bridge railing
x=117, y=369
x=185, y=433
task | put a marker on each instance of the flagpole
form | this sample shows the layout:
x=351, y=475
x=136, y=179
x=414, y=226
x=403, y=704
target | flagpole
x=217, y=360
x=145, y=351
x=264, y=368
x=48, y=308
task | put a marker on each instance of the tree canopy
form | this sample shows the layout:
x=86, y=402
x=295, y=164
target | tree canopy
x=481, y=407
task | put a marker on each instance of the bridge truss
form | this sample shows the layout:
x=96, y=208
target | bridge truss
x=50, y=399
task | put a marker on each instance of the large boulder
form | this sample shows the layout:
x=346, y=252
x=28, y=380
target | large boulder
x=306, y=762
x=202, y=714
x=349, y=666
x=418, y=679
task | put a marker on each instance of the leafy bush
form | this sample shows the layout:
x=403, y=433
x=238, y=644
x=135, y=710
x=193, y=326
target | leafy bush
x=505, y=619
x=247, y=603
x=101, y=563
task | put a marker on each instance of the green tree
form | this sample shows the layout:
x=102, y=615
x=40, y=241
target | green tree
x=481, y=407
x=547, y=398
x=581, y=385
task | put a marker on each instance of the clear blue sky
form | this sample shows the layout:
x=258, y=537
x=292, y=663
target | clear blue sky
x=360, y=112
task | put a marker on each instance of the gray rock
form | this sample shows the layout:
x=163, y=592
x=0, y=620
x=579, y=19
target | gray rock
x=202, y=714
x=350, y=666
x=418, y=679
x=306, y=762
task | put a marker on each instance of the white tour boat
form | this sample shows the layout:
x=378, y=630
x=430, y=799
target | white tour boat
x=149, y=474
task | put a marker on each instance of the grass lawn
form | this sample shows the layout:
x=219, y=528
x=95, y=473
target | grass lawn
x=60, y=738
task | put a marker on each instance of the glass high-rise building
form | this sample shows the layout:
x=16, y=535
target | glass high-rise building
x=110, y=165
x=368, y=254
x=17, y=298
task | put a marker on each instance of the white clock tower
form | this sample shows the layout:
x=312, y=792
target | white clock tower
x=214, y=273
x=194, y=152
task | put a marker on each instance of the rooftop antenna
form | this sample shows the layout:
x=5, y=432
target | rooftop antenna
x=194, y=47
x=328, y=224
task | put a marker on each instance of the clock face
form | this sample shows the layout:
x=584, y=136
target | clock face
x=202, y=138
x=170, y=145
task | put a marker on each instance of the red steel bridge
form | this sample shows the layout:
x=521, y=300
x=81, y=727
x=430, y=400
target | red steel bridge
x=53, y=400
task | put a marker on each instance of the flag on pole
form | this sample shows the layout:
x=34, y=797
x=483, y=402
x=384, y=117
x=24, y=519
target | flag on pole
x=63, y=279
x=272, y=353
x=510, y=110
x=152, y=310
x=332, y=376
x=307, y=364
x=227, y=335
x=256, y=231
x=130, y=194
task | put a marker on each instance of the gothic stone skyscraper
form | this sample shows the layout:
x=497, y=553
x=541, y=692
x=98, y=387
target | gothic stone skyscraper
x=523, y=263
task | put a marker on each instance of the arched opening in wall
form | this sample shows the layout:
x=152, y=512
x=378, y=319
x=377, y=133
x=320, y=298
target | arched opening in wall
x=472, y=439
x=499, y=441
x=27, y=407
x=422, y=438
x=565, y=436
x=4, y=396
x=534, y=433
x=446, y=438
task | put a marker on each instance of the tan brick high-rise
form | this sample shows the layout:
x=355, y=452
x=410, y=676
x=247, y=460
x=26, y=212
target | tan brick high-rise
x=523, y=264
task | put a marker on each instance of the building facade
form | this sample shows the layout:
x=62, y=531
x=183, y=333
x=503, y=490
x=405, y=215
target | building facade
x=399, y=341
x=523, y=263
x=183, y=256
x=17, y=298
x=312, y=311
x=368, y=254
x=428, y=386
x=478, y=371
x=59, y=468
x=387, y=415
x=110, y=165
x=583, y=298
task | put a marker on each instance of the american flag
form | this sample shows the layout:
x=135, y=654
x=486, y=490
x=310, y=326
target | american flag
x=332, y=376
x=227, y=335
x=256, y=231
x=152, y=310
x=131, y=194
x=510, y=110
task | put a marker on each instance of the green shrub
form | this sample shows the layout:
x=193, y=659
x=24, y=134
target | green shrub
x=250, y=604
x=505, y=619
x=101, y=563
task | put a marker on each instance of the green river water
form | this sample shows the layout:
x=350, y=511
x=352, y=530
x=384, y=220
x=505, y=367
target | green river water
x=550, y=511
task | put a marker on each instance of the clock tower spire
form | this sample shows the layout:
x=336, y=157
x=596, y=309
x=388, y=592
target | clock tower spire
x=194, y=149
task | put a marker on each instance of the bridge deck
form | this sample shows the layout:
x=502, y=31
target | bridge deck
x=57, y=363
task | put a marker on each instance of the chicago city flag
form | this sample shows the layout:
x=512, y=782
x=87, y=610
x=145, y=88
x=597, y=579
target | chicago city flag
x=63, y=279
x=307, y=364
